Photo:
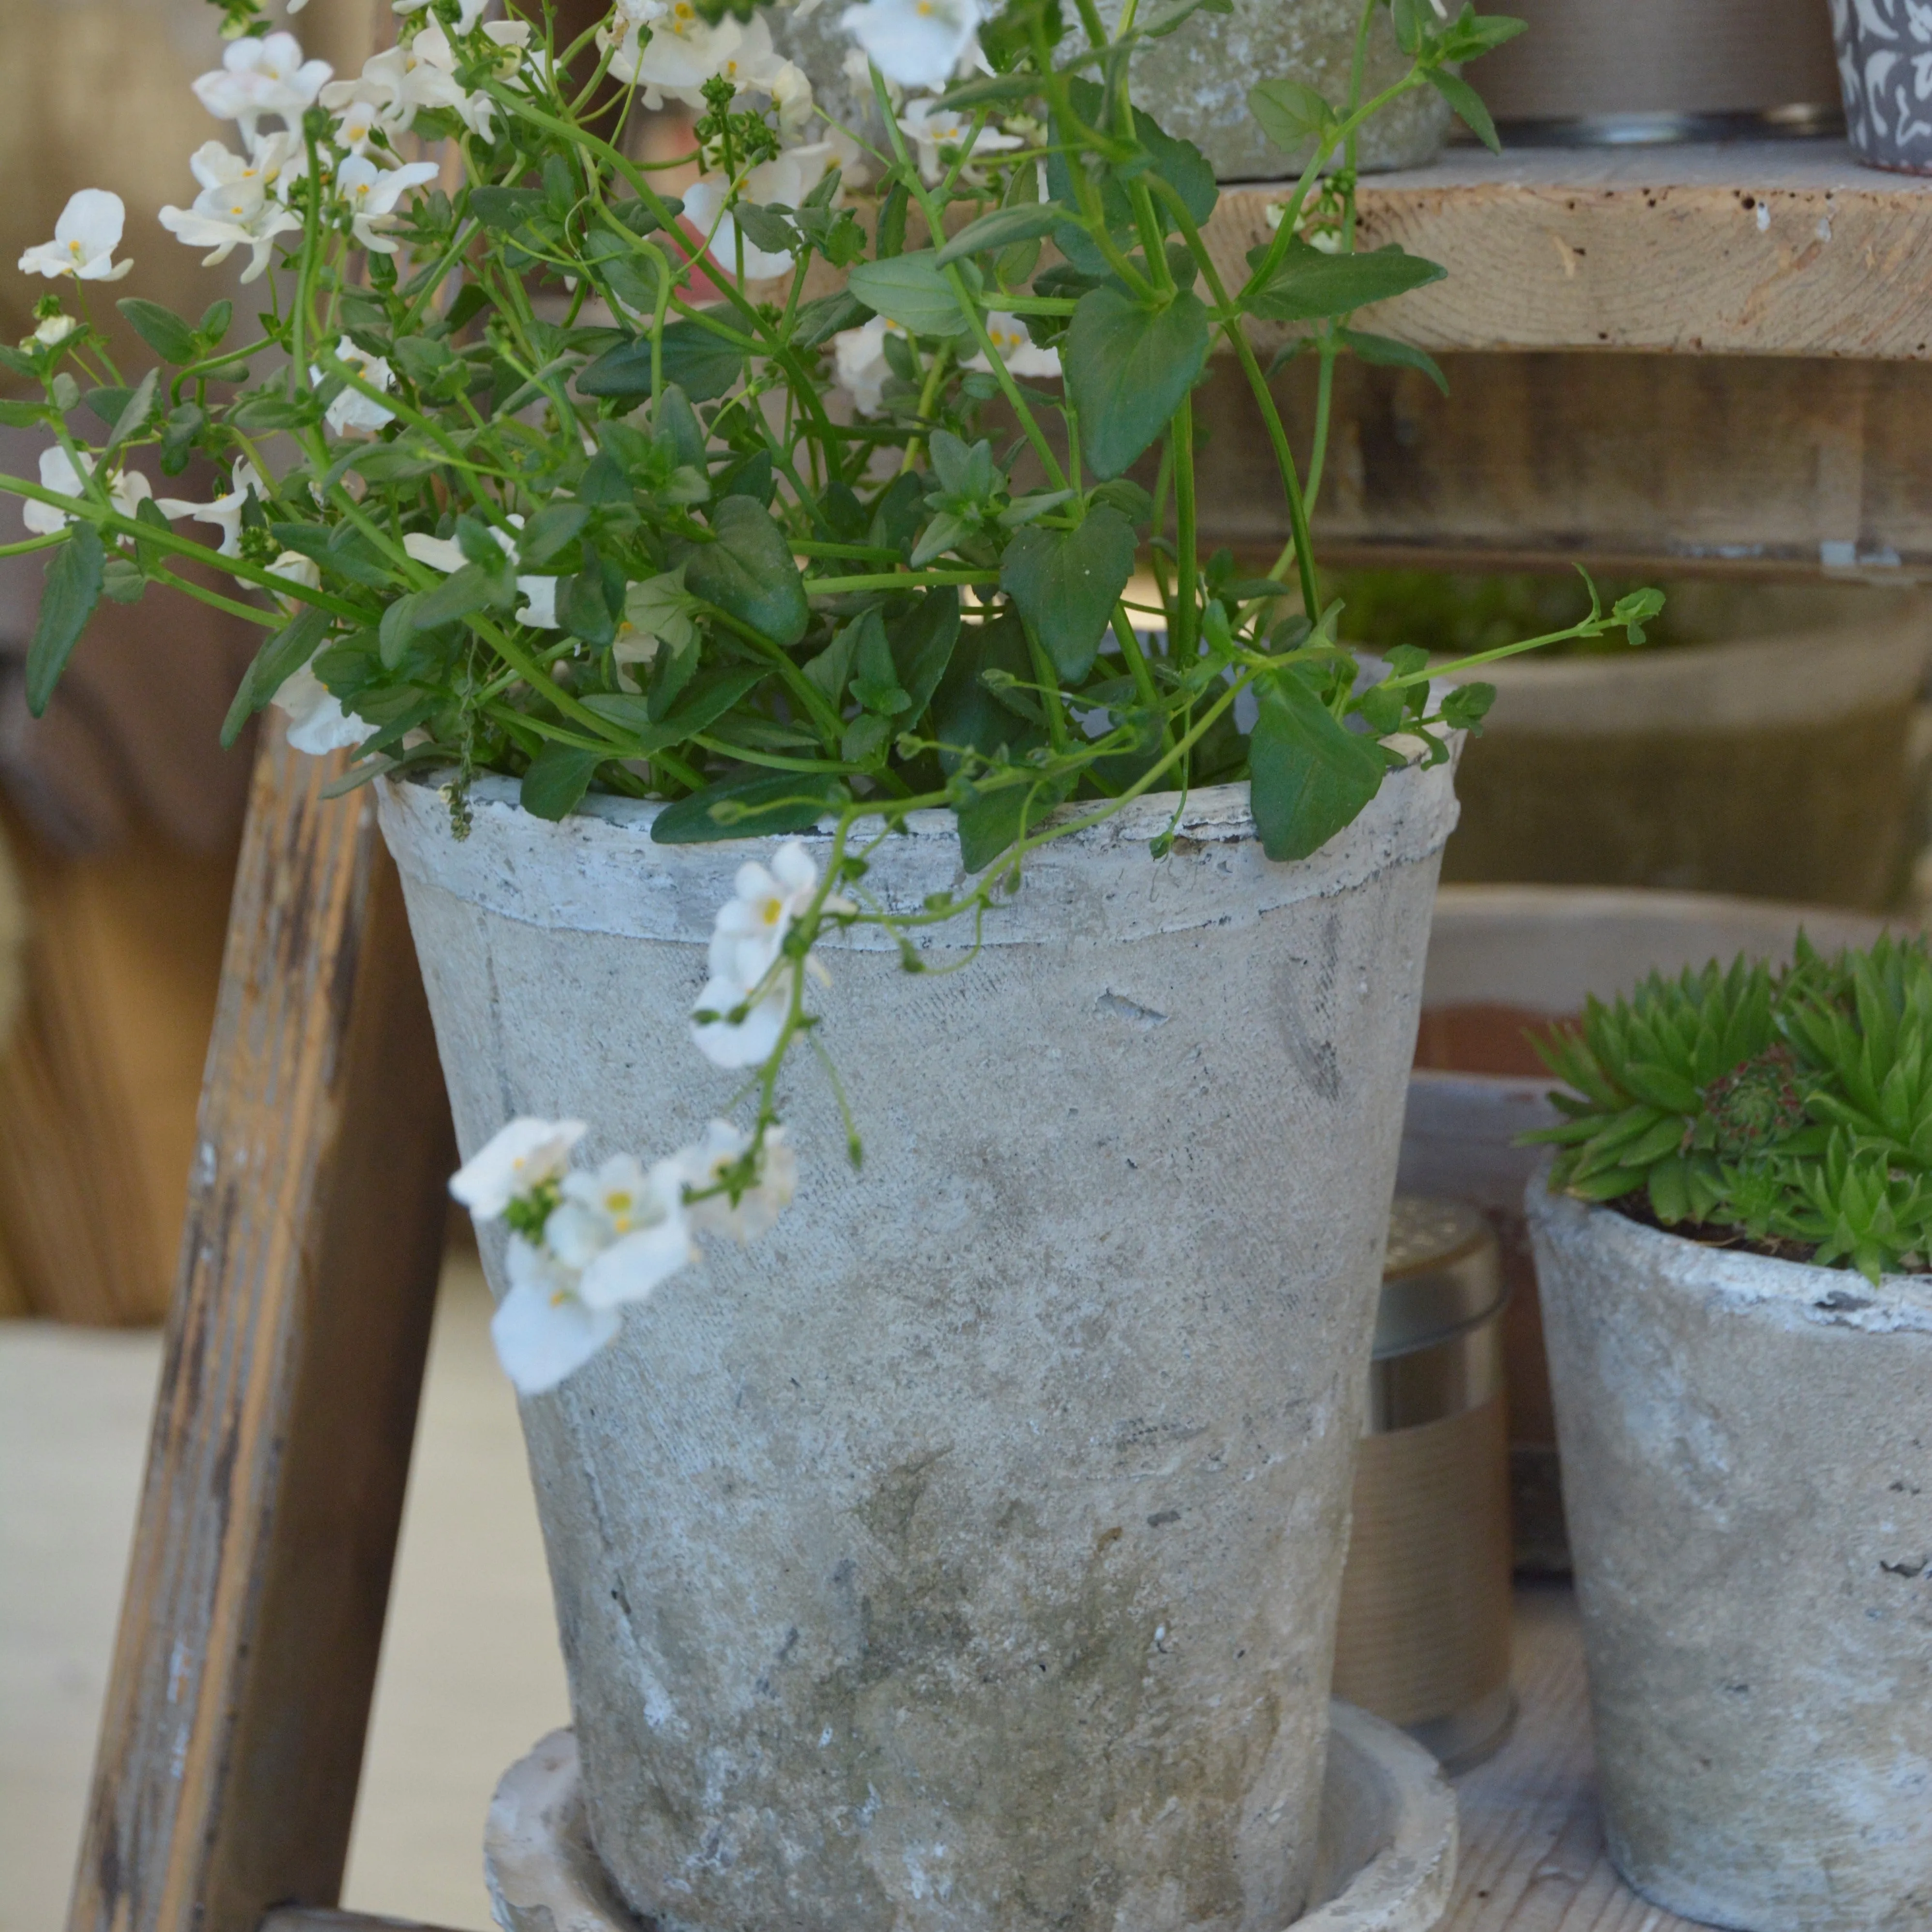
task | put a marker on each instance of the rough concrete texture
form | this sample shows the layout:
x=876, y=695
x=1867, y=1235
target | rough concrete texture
x=1195, y=82
x=1388, y=1862
x=965, y=1554
x=1747, y=1469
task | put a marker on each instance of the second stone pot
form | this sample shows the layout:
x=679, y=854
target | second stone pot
x=1748, y=1470
x=963, y=1556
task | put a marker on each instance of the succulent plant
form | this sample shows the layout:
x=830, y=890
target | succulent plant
x=1789, y=1111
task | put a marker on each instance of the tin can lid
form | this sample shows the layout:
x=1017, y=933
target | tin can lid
x=1443, y=1274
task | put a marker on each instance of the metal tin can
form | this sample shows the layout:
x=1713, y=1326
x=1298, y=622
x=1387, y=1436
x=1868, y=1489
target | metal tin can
x=1423, y=1638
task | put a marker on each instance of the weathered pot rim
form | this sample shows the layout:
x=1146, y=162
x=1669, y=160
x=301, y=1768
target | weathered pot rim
x=1738, y=684
x=1792, y=1292
x=600, y=871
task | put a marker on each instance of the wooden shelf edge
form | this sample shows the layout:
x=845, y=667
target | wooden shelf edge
x=1758, y=248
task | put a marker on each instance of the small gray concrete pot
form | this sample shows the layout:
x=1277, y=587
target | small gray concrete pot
x=1747, y=1470
x=1195, y=83
x=964, y=1556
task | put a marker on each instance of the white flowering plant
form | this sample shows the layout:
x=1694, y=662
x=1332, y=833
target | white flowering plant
x=856, y=479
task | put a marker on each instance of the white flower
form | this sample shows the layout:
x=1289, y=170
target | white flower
x=292, y=567
x=401, y=81
x=1017, y=349
x=258, y=77
x=746, y=944
x=232, y=184
x=85, y=239
x=125, y=491
x=222, y=237
x=54, y=329
x=225, y=511
x=317, y=723
x=468, y=13
x=858, y=356
x=372, y=194
x=234, y=208
x=756, y=1210
x=352, y=409
x=516, y=1160
x=543, y=1328
x=916, y=42
x=657, y=612
x=933, y=128
x=623, y=1227
x=747, y=1041
x=445, y=553
x=764, y=907
x=785, y=182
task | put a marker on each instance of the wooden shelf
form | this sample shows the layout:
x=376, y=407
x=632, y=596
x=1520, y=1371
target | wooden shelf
x=1533, y=1857
x=1757, y=248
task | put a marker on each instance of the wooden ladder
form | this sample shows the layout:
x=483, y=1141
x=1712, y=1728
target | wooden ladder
x=233, y=1735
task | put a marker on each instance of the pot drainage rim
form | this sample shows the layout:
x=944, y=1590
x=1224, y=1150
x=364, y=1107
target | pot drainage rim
x=1386, y=1863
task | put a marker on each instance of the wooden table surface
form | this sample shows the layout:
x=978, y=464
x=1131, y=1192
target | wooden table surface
x=1533, y=1857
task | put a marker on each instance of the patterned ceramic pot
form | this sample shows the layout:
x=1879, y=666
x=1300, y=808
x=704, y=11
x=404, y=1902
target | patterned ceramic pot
x=1885, y=67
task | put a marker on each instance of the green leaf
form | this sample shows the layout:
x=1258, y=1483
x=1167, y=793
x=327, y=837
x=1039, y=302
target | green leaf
x=504, y=210
x=922, y=642
x=215, y=321
x=161, y=329
x=704, y=365
x=1128, y=369
x=702, y=705
x=1466, y=707
x=990, y=88
x=25, y=415
x=1308, y=284
x=913, y=290
x=460, y=595
x=1385, y=353
x=1661, y=1086
x=279, y=658
x=106, y=402
x=554, y=528
x=1310, y=777
x=750, y=805
x=584, y=604
x=1065, y=583
x=749, y=572
x=818, y=321
x=766, y=228
x=1289, y=114
x=558, y=776
x=1468, y=106
x=996, y=819
x=1002, y=227
x=75, y=576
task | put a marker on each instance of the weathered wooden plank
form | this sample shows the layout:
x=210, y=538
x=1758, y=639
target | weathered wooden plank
x=1749, y=464
x=1533, y=1857
x=232, y=1739
x=320, y=1919
x=1763, y=248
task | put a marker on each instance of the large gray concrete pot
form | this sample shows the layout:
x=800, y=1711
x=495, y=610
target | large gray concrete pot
x=1195, y=82
x=1747, y=1470
x=964, y=1557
